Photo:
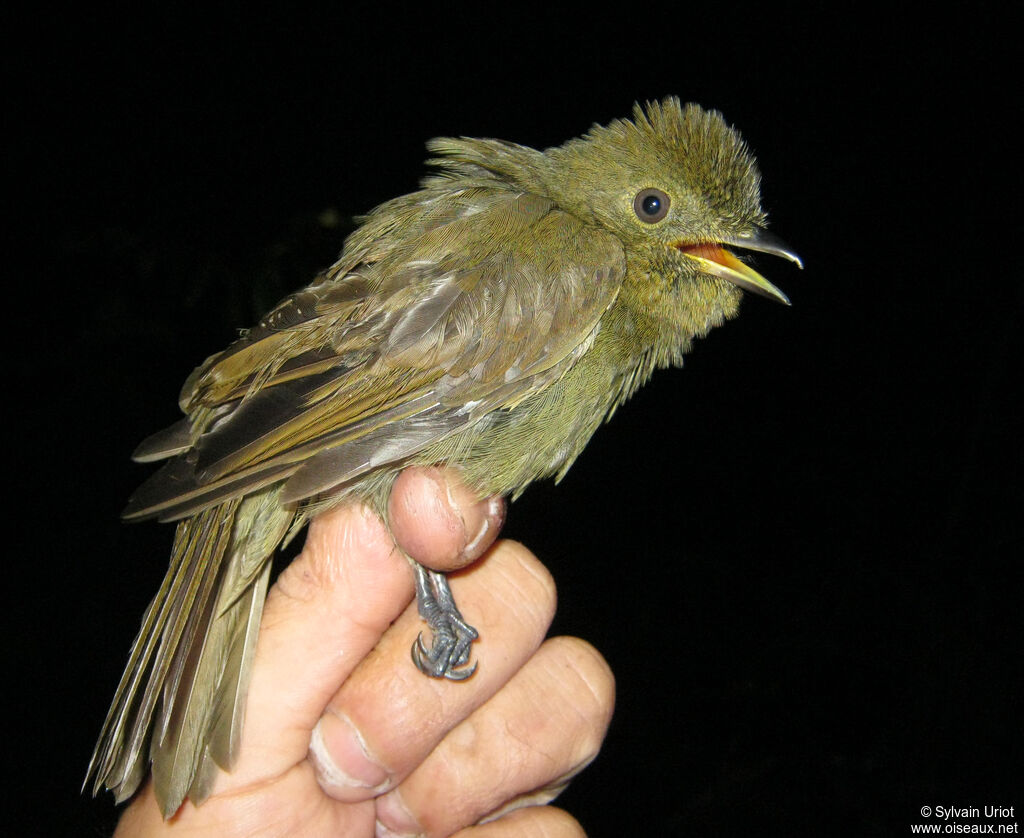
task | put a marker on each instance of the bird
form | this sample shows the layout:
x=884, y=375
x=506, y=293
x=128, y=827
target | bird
x=491, y=321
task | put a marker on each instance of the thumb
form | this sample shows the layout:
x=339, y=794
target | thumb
x=439, y=521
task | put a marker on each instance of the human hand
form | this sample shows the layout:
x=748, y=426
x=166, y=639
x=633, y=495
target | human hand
x=343, y=736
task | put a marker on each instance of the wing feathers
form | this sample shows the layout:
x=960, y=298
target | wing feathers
x=166, y=443
x=492, y=298
x=392, y=443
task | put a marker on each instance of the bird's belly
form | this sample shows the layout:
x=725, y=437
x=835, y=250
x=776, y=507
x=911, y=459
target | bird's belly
x=510, y=448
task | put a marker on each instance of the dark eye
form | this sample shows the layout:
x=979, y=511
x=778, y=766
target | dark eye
x=651, y=205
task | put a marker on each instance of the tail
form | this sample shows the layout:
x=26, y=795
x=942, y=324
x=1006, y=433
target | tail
x=181, y=700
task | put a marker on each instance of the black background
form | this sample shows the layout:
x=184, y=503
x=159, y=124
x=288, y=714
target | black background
x=800, y=554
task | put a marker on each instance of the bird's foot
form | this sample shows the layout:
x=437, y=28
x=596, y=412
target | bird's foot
x=451, y=635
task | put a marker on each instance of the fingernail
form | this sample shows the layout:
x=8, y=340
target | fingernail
x=381, y=831
x=400, y=822
x=492, y=520
x=541, y=797
x=342, y=761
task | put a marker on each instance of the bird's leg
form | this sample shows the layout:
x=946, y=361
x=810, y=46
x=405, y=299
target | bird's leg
x=451, y=635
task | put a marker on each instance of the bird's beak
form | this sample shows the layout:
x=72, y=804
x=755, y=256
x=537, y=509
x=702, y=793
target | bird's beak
x=717, y=261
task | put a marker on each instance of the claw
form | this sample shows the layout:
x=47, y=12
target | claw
x=439, y=663
x=419, y=654
x=460, y=674
x=452, y=636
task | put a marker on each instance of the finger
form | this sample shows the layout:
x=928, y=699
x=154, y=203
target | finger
x=518, y=749
x=439, y=521
x=532, y=822
x=326, y=611
x=387, y=717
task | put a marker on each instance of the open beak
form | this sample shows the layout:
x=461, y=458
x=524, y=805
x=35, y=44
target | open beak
x=717, y=261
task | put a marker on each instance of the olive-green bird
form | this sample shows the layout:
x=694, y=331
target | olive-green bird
x=490, y=321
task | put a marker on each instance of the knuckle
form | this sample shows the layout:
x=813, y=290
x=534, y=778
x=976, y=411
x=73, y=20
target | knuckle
x=589, y=685
x=528, y=580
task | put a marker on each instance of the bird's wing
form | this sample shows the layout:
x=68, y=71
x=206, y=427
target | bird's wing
x=472, y=300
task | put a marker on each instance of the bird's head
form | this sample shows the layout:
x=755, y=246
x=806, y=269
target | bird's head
x=679, y=187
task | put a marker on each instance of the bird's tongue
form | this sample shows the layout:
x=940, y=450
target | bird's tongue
x=711, y=253
x=718, y=261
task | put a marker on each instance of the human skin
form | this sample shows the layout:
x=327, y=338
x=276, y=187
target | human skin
x=343, y=737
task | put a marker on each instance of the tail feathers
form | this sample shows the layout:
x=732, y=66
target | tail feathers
x=181, y=699
x=229, y=710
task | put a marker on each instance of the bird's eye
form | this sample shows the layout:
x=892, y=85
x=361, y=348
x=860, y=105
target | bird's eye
x=651, y=205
